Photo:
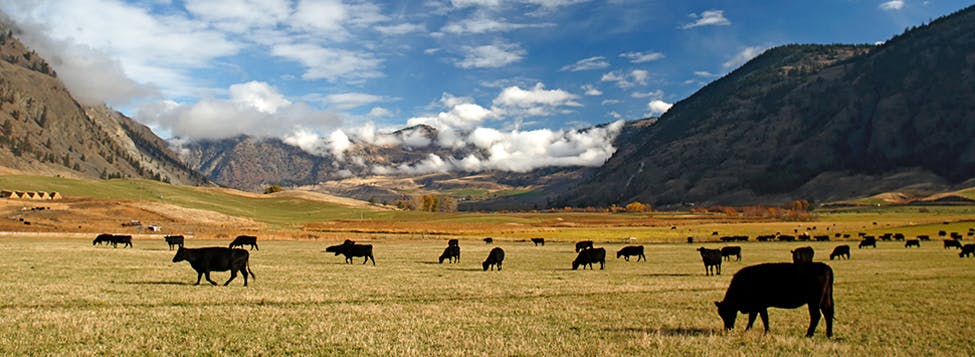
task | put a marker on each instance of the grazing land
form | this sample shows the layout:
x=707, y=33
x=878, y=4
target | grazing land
x=63, y=296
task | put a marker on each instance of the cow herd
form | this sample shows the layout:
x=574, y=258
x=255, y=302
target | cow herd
x=753, y=289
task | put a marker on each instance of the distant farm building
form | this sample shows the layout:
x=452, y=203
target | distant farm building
x=30, y=195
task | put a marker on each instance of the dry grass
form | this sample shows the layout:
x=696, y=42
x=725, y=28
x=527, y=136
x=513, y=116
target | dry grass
x=62, y=296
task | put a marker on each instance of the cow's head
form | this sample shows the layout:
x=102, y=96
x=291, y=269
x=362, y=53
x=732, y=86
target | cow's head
x=728, y=314
x=180, y=255
x=485, y=265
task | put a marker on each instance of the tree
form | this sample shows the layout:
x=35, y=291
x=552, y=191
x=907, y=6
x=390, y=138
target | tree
x=637, y=207
x=272, y=189
x=448, y=204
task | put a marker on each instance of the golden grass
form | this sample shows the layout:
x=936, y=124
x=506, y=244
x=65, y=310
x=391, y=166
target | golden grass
x=62, y=296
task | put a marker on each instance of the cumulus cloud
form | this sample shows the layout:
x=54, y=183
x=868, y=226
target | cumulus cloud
x=490, y=56
x=534, y=101
x=331, y=64
x=707, y=18
x=636, y=77
x=891, y=5
x=658, y=107
x=254, y=108
x=586, y=64
x=745, y=55
x=380, y=112
x=642, y=57
x=591, y=90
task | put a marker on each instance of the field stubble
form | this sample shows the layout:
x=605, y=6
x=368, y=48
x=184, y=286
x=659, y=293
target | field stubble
x=63, y=296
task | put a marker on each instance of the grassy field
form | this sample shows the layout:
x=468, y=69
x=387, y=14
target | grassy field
x=62, y=296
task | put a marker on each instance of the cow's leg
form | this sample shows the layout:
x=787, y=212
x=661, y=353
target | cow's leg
x=256, y=247
x=764, y=314
x=499, y=266
x=718, y=268
x=374, y=259
x=233, y=274
x=813, y=319
x=199, y=276
x=210, y=280
x=644, y=257
x=828, y=313
x=739, y=257
x=601, y=262
x=751, y=320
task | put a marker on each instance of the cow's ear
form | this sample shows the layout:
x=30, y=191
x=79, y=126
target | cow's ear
x=717, y=303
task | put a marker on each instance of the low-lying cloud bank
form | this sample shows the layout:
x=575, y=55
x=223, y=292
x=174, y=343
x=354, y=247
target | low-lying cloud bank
x=457, y=137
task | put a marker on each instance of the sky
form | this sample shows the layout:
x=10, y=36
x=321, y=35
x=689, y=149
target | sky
x=327, y=73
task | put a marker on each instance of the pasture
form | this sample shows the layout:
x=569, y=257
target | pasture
x=63, y=296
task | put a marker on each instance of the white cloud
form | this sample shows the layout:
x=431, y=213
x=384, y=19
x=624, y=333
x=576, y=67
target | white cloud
x=704, y=74
x=658, y=107
x=891, y=5
x=585, y=64
x=591, y=90
x=636, y=77
x=611, y=101
x=642, y=57
x=380, y=112
x=535, y=101
x=254, y=108
x=322, y=16
x=351, y=100
x=745, y=55
x=240, y=16
x=708, y=18
x=331, y=64
x=482, y=23
x=401, y=29
x=491, y=56
x=657, y=94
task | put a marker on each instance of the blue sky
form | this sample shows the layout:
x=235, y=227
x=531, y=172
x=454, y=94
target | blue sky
x=304, y=69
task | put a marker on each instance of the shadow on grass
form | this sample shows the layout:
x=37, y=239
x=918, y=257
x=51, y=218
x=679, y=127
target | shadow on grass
x=427, y=262
x=668, y=274
x=466, y=269
x=667, y=331
x=157, y=283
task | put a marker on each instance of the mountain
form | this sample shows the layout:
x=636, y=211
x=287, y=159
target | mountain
x=250, y=163
x=820, y=122
x=43, y=130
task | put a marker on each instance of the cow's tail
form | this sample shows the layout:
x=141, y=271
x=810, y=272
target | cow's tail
x=247, y=266
x=826, y=303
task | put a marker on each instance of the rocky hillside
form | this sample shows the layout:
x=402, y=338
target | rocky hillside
x=43, y=130
x=812, y=122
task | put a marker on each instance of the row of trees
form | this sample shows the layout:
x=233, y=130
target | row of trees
x=427, y=203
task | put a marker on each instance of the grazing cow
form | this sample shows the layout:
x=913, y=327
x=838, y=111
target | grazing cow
x=494, y=258
x=942, y=233
x=956, y=235
x=580, y=245
x=765, y=238
x=241, y=241
x=712, y=261
x=912, y=243
x=821, y=238
x=538, y=241
x=923, y=237
x=451, y=254
x=588, y=257
x=350, y=250
x=846, y=236
x=102, y=238
x=174, y=241
x=951, y=243
x=803, y=255
x=205, y=260
x=125, y=241
x=728, y=252
x=454, y=242
x=631, y=250
x=488, y=240
x=886, y=236
x=967, y=250
x=840, y=251
x=868, y=241
x=787, y=238
x=899, y=236
x=756, y=288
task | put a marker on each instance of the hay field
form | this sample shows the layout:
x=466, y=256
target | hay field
x=63, y=296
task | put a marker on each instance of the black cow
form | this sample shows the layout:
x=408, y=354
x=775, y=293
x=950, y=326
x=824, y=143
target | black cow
x=803, y=255
x=494, y=258
x=584, y=244
x=967, y=250
x=728, y=252
x=488, y=240
x=899, y=236
x=124, y=240
x=756, y=288
x=787, y=238
x=712, y=261
x=538, y=241
x=451, y=254
x=588, y=257
x=840, y=251
x=241, y=241
x=956, y=235
x=951, y=243
x=205, y=260
x=174, y=241
x=102, y=238
x=350, y=250
x=821, y=238
x=631, y=250
x=923, y=237
x=868, y=241
x=912, y=243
